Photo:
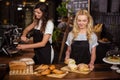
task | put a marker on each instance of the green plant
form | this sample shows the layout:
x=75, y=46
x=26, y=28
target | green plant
x=62, y=10
x=56, y=34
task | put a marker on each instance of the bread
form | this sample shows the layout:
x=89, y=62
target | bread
x=105, y=40
x=52, y=67
x=70, y=61
x=42, y=67
x=56, y=71
x=83, y=67
x=72, y=67
x=16, y=65
x=45, y=72
x=47, y=69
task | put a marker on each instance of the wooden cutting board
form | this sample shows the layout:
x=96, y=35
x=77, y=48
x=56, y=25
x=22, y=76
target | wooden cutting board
x=66, y=68
x=58, y=75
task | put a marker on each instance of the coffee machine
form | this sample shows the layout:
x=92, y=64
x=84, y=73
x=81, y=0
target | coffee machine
x=9, y=38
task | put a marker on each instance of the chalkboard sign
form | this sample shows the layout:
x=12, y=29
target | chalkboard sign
x=75, y=5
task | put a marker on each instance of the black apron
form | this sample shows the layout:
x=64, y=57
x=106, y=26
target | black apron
x=42, y=54
x=80, y=51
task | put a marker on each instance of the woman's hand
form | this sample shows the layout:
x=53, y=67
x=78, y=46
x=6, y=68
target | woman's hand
x=66, y=60
x=24, y=39
x=91, y=66
x=22, y=46
x=67, y=57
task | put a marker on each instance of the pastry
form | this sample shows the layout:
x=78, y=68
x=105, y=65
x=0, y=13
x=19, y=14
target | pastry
x=56, y=71
x=46, y=72
x=83, y=67
x=71, y=64
x=42, y=67
x=70, y=61
x=52, y=67
x=72, y=67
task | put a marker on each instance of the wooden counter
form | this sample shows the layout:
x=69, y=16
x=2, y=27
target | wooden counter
x=101, y=71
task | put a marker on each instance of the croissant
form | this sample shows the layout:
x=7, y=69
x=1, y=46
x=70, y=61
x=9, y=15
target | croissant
x=56, y=71
x=45, y=72
x=52, y=67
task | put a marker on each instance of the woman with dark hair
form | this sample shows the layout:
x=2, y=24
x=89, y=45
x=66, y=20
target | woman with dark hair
x=42, y=28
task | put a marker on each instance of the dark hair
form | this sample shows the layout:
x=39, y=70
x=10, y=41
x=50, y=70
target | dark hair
x=45, y=17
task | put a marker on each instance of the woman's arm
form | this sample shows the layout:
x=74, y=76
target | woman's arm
x=46, y=37
x=41, y=43
x=36, y=45
x=26, y=30
x=93, y=57
x=68, y=53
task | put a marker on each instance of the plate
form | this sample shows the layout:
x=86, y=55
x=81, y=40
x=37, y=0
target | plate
x=106, y=61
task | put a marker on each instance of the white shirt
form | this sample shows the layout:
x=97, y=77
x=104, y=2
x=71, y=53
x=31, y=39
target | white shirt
x=48, y=30
x=82, y=37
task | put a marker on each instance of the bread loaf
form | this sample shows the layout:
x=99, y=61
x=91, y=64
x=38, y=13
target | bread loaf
x=16, y=65
x=83, y=67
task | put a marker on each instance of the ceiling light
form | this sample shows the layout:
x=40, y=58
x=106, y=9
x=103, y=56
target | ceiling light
x=42, y=0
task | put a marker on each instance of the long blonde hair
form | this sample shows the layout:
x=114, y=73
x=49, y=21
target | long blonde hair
x=76, y=29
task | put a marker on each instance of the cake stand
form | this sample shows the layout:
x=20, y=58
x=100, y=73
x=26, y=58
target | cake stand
x=114, y=64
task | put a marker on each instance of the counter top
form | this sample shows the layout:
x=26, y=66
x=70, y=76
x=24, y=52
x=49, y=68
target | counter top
x=101, y=71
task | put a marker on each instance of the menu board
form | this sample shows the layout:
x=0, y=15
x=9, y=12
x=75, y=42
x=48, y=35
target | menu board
x=75, y=5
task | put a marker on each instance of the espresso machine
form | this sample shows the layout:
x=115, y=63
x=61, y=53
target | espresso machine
x=9, y=38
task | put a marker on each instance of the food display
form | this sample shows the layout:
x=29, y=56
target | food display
x=50, y=71
x=115, y=59
x=113, y=56
x=72, y=67
x=24, y=66
x=21, y=67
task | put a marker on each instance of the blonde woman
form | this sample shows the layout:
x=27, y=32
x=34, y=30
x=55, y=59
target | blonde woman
x=82, y=41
